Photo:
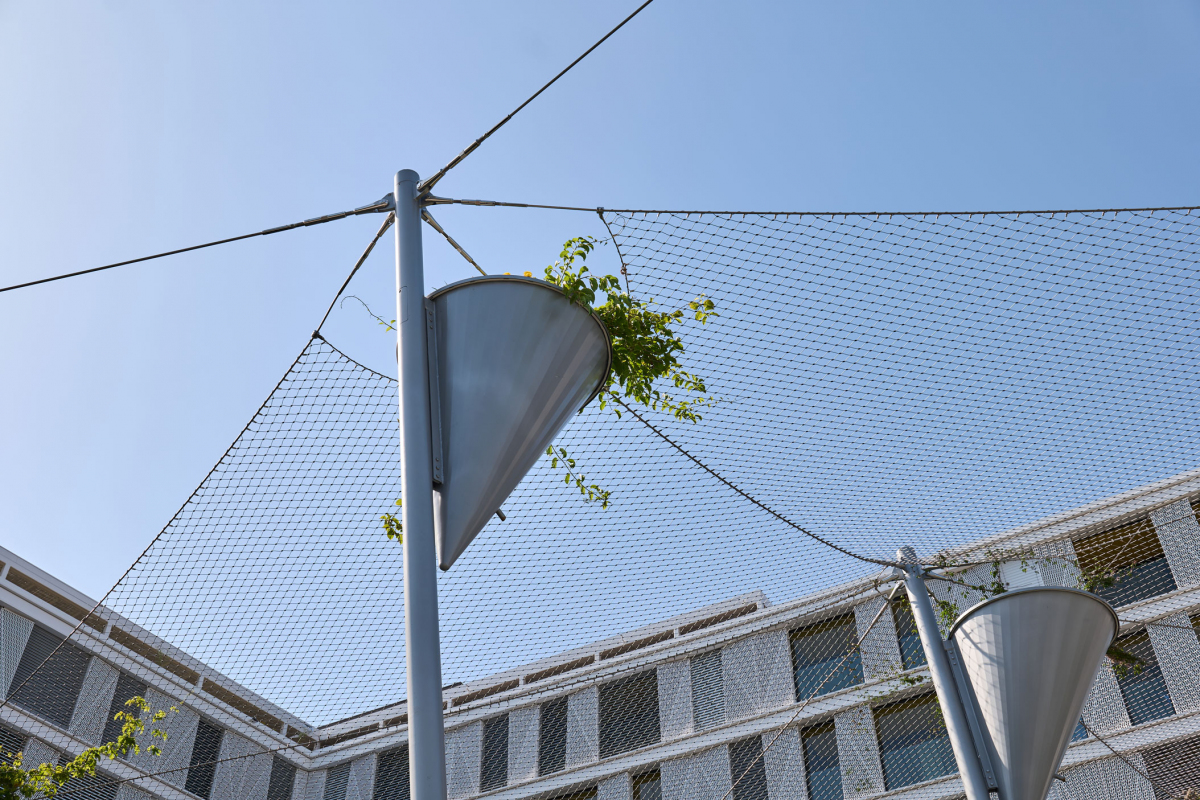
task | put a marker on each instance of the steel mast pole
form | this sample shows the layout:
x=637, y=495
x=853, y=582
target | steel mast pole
x=957, y=725
x=422, y=642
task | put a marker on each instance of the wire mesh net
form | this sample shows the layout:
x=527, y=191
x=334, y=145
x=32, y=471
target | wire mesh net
x=1012, y=395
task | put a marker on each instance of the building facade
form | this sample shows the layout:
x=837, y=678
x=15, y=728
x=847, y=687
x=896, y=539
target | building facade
x=742, y=699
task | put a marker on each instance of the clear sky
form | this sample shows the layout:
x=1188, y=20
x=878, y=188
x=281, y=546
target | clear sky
x=129, y=128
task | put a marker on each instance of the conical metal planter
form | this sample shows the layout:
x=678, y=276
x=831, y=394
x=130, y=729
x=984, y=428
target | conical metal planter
x=1030, y=656
x=514, y=360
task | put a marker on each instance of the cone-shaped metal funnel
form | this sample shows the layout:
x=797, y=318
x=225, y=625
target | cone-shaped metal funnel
x=1030, y=656
x=515, y=361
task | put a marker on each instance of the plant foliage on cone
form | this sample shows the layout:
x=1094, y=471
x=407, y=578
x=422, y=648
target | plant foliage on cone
x=645, y=350
x=645, y=356
x=47, y=780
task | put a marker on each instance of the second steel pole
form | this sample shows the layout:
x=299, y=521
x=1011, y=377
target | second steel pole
x=422, y=642
x=955, y=716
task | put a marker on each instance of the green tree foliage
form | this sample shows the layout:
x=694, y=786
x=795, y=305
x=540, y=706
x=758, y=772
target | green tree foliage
x=46, y=780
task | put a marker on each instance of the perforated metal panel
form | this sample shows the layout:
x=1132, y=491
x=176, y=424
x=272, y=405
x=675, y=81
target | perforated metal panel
x=243, y=771
x=757, y=674
x=675, y=699
x=89, y=719
x=1180, y=537
x=464, y=751
x=784, y=760
x=523, y=743
x=858, y=752
x=583, y=727
x=708, y=690
x=703, y=776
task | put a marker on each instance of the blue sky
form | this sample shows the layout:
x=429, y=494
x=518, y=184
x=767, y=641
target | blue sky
x=129, y=128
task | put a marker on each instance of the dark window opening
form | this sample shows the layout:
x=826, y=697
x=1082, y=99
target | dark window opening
x=391, y=775
x=912, y=654
x=128, y=687
x=1131, y=558
x=1174, y=768
x=1080, y=733
x=647, y=786
x=89, y=787
x=1145, y=691
x=11, y=743
x=283, y=778
x=52, y=690
x=629, y=714
x=749, y=769
x=824, y=657
x=913, y=742
x=494, y=772
x=552, y=737
x=822, y=771
x=336, y=781
x=202, y=766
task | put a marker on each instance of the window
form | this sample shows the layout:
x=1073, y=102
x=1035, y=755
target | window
x=582, y=794
x=494, y=772
x=912, y=654
x=819, y=657
x=1175, y=765
x=391, y=775
x=1145, y=691
x=89, y=787
x=203, y=764
x=1080, y=733
x=629, y=713
x=51, y=692
x=913, y=743
x=1133, y=556
x=821, y=767
x=552, y=737
x=11, y=743
x=647, y=786
x=283, y=778
x=708, y=698
x=336, y=781
x=128, y=687
x=749, y=769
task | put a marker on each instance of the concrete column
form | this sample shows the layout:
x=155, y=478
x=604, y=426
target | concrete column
x=95, y=701
x=1104, y=710
x=675, y=699
x=464, y=757
x=618, y=787
x=858, y=752
x=361, y=785
x=14, y=635
x=1178, y=653
x=523, y=727
x=180, y=728
x=703, y=776
x=1180, y=537
x=757, y=675
x=243, y=770
x=583, y=727
x=783, y=756
x=880, y=649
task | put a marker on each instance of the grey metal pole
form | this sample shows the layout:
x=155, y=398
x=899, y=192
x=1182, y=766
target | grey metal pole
x=957, y=726
x=422, y=642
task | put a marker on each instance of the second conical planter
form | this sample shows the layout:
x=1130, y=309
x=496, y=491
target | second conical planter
x=515, y=360
x=1030, y=656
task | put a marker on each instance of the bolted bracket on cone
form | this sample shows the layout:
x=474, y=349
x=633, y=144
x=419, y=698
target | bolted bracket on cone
x=513, y=360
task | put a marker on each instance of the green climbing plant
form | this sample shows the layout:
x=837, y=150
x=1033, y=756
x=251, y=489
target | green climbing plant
x=647, y=349
x=18, y=782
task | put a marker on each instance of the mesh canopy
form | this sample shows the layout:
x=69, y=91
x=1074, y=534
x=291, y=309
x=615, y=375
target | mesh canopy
x=882, y=380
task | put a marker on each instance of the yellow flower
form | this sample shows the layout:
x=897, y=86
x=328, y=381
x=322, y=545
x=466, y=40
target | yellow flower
x=528, y=274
